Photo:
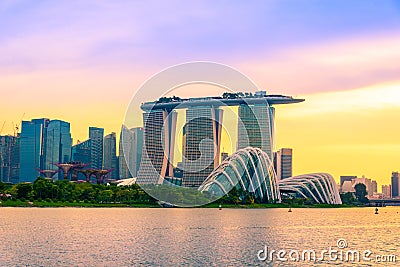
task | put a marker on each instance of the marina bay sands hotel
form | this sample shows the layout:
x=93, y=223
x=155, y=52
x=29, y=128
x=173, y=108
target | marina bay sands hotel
x=202, y=133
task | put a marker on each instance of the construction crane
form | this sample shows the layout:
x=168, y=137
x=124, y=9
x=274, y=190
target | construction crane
x=18, y=125
x=6, y=146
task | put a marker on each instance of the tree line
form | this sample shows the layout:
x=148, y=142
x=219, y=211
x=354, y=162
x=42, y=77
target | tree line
x=43, y=189
x=47, y=190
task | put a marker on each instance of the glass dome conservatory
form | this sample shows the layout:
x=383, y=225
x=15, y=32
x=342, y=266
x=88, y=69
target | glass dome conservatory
x=250, y=169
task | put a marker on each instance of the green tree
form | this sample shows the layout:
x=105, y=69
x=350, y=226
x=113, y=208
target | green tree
x=2, y=190
x=348, y=198
x=12, y=190
x=85, y=191
x=2, y=186
x=248, y=198
x=24, y=190
x=361, y=192
x=106, y=195
x=43, y=188
x=299, y=201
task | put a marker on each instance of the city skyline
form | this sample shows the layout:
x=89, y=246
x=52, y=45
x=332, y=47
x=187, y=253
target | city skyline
x=49, y=142
x=346, y=68
x=102, y=138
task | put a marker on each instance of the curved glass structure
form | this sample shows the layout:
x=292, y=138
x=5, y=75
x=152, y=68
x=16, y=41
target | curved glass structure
x=319, y=187
x=250, y=169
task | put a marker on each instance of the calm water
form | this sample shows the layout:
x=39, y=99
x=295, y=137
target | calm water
x=189, y=237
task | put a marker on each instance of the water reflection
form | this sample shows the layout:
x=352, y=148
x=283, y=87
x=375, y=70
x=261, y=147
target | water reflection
x=182, y=237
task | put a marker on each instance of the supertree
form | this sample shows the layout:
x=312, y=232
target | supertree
x=75, y=170
x=66, y=168
x=101, y=175
x=88, y=173
x=48, y=173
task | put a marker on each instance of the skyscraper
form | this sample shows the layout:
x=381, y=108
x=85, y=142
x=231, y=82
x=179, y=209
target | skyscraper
x=137, y=147
x=395, y=184
x=110, y=155
x=256, y=127
x=57, y=145
x=387, y=191
x=31, y=148
x=125, y=141
x=96, y=144
x=9, y=159
x=81, y=152
x=130, y=153
x=158, y=152
x=283, y=163
x=374, y=187
x=201, y=146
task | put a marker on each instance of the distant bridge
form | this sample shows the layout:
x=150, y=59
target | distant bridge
x=385, y=202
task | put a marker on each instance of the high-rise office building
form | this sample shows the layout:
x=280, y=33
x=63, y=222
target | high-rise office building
x=136, y=151
x=110, y=155
x=9, y=159
x=117, y=168
x=395, y=184
x=374, y=187
x=31, y=148
x=201, y=146
x=57, y=145
x=283, y=163
x=96, y=145
x=125, y=141
x=387, y=191
x=256, y=127
x=158, y=149
x=130, y=152
x=81, y=152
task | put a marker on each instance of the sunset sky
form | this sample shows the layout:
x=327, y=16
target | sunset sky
x=82, y=61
